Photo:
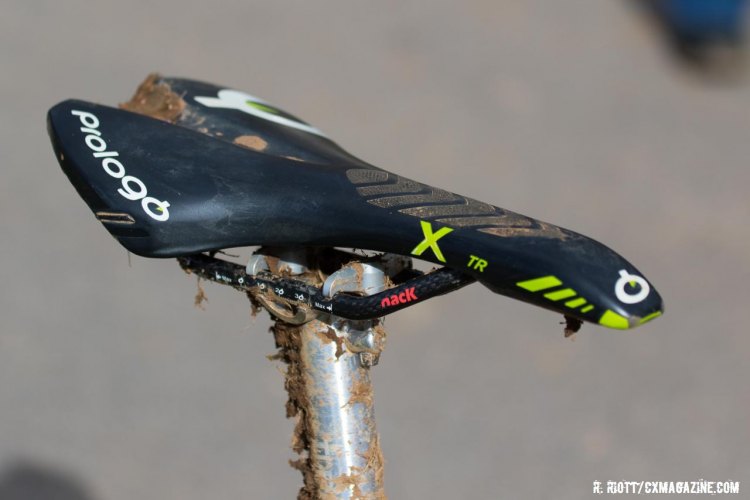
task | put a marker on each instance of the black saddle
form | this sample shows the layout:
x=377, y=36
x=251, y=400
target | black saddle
x=212, y=168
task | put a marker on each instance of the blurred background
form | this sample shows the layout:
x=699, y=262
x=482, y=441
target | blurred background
x=582, y=113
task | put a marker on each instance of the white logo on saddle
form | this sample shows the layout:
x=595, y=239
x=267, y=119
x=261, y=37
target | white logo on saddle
x=132, y=187
x=234, y=99
x=630, y=280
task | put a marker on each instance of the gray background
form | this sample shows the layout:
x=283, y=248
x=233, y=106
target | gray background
x=113, y=386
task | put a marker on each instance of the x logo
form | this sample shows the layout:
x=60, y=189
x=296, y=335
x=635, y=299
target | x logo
x=430, y=240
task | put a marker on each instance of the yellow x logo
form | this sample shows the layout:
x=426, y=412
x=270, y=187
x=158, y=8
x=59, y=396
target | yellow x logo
x=430, y=240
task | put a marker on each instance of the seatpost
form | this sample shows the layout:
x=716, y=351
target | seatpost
x=328, y=378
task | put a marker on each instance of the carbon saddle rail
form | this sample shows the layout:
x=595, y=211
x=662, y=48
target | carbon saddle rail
x=218, y=168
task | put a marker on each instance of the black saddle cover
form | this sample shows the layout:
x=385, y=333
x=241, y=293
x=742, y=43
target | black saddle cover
x=188, y=167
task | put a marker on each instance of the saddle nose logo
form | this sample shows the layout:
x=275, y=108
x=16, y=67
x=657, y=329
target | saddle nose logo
x=628, y=282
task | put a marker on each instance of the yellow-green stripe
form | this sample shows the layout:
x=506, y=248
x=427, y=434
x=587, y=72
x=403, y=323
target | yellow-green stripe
x=538, y=284
x=262, y=107
x=587, y=308
x=561, y=294
x=649, y=317
x=613, y=320
x=575, y=302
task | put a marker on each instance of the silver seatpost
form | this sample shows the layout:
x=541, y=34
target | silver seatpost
x=328, y=380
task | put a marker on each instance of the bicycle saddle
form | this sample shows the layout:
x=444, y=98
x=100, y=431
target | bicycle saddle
x=188, y=167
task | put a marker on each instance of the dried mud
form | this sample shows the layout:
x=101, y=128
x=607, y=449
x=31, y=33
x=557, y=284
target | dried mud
x=253, y=142
x=361, y=393
x=200, y=296
x=572, y=325
x=330, y=336
x=542, y=230
x=373, y=462
x=155, y=99
x=255, y=305
x=288, y=341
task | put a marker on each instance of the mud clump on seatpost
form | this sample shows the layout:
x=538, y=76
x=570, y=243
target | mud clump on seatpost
x=331, y=397
x=327, y=379
x=288, y=341
x=328, y=358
